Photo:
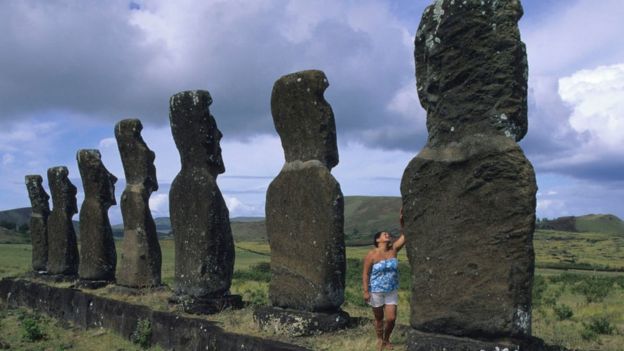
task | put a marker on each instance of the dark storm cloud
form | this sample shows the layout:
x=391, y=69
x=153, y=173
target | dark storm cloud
x=111, y=60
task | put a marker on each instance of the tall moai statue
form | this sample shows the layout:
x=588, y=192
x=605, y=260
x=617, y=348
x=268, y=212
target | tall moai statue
x=38, y=221
x=305, y=212
x=469, y=195
x=204, y=246
x=98, y=257
x=141, y=259
x=62, y=244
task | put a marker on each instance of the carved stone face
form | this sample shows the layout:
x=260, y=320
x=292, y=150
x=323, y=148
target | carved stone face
x=303, y=118
x=137, y=158
x=38, y=197
x=471, y=70
x=62, y=189
x=97, y=181
x=213, y=147
x=195, y=131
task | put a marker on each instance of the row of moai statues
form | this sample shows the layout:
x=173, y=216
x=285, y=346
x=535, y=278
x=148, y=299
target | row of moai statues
x=304, y=212
x=468, y=196
x=55, y=247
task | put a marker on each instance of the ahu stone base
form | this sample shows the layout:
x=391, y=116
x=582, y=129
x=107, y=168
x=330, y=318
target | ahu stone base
x=208, y=305
x=420, y=341
x=91, y=284
x=299, y=323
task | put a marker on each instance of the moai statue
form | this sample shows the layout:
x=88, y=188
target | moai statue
x=469, y=195
x=204, y=246
x=62, y=244
x=98, y=258
x=140, y=262
x=304, y=213
x=38, y=222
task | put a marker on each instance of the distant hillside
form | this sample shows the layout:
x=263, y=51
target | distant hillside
x=12, y=237
x=18, y=216
x=595, y=223
x=364, y=215
x=564, y=224
x=600, y=223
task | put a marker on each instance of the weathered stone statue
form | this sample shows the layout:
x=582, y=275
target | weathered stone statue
x=38, y=222
x=304, y=212
x=140, y=262
x=469, y=195
x=62, y=244
x=98, y=258
x=204, y=246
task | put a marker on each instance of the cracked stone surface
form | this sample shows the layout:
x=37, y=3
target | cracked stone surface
x=469, y=195
x=62, y=244
x=141, y=258
x=305, y=206
x=98, y=257
x=38, y=221
x=204, y=246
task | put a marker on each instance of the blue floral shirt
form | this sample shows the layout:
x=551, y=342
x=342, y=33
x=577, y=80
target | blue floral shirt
x=384, y=276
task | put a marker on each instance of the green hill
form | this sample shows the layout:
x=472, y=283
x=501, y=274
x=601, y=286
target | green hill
x=365, y=215
x=600, y=223
x=19, y=216
x=592, y=223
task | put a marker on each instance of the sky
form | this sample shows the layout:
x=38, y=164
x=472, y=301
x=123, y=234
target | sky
x=70, y=70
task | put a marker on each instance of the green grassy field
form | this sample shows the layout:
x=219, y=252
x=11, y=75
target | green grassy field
x=588, y=251
x=580, y=310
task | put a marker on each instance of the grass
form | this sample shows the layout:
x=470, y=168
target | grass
x=22, y=329
x=585, y=251
x=578, y=308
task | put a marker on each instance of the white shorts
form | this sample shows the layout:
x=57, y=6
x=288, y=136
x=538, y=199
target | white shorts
x=378, y=299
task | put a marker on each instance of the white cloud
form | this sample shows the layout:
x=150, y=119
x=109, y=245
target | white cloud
x=159, y=205
x=578, y=34
x=107, y=143
x=7, y=159
x=597, y=99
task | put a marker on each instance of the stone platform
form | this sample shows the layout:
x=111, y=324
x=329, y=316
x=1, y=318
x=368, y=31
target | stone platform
x=299, y=323
x=208, y=305
x=420, y=341
x=169, y=330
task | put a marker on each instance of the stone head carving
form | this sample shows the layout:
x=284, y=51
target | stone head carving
x=97, y=181
x=303, y=119
x=38, y=196
x=137, y=158
x=62, y=189
x=195, y=131
x=472, y=81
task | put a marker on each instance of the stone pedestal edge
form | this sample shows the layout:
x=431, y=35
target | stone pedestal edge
x=420, y=341
x=299, y=323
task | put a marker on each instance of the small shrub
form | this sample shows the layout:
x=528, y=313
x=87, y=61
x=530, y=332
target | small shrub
x=142, y=334
x=595, y=289
x=256, y=297
x=260, y=272
x=588, y=334
x=31, y=329
x=600, y=325
x=552, y=294
x=563, y=312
